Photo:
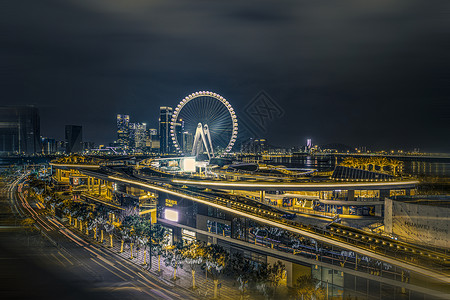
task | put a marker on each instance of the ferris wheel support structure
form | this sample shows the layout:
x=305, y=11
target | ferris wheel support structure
x=202, y=141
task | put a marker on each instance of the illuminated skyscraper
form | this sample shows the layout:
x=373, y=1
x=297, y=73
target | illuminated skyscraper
x=138, y=133
x=19, y=130
x=123, y=134
x=74, y=139
x=254, y=146
x=152, y=142
x=179, y=129
x=166, y=145
x=48, y=146
x=188, y=140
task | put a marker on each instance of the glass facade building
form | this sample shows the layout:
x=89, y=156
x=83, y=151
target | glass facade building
x=138, y=136
x=74, y=139
x=166, y=145
x=19, y=130
x=123, y=134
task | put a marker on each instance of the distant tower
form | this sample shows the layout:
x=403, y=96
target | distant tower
x=165, y=140
x=123, y=134
x=74, y=139
x=308, y=145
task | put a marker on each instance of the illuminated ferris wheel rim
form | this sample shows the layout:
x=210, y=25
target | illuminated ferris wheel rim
x=198, y=94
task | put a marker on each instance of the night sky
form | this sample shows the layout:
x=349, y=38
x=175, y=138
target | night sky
x=363, y=73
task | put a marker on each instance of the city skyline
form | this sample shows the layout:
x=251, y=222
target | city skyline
x=358, y=74
x=117, y=139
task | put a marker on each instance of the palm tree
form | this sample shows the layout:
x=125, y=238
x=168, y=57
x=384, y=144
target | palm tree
x=124, y=232
x=159, y=236
x=101, y=220
x=74, y=211
x=92, y=223
x=308, y=288
x=146, y=232
x=129, y=228
x=81, y=213
x=216, y=258
x=110, y=229
x=174, y=258
x=260, y=278
x=276, y=274
x=243, y=269
x=132, y=222
x=193, y=257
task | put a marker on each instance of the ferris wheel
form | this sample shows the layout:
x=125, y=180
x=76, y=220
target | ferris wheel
x=203, y=122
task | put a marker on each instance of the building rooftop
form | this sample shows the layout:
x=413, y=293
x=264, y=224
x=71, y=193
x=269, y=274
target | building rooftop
x=432, y=200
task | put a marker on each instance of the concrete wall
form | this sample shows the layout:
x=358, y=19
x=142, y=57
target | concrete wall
x=424, y=224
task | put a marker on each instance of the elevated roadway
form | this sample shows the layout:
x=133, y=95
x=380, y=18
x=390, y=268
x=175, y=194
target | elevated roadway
x=427, y=263
x=391, y=252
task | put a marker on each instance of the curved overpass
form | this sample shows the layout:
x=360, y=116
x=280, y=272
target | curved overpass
x=266, y=218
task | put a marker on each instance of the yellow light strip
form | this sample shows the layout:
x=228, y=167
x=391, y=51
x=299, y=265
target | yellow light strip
x=409, y=266
x=75, y=166
x=294, y=185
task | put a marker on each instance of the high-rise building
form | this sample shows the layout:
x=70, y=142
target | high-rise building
x=138, y=133
x=61, y=147
x=152, y=142
x=254, y=146
x=165, y=138
x=123, y=134
x=179, y=129
x=188, y=141
x=19, y=130
x=74, y=139
x=49, y=146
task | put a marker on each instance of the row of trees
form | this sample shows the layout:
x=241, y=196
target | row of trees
x=256, y=276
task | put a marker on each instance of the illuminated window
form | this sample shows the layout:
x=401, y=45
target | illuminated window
x=171, y=215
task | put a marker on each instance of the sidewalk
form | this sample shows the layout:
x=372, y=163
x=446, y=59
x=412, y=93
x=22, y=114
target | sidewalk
x=204, y=287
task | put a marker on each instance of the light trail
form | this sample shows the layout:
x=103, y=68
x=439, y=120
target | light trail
x=33, y=214
x=75, y=241
x=100, y=264
x=75, y=166
x=58, y=260
x=65, y=257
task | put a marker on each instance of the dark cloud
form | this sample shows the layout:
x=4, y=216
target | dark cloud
x=363, y=73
